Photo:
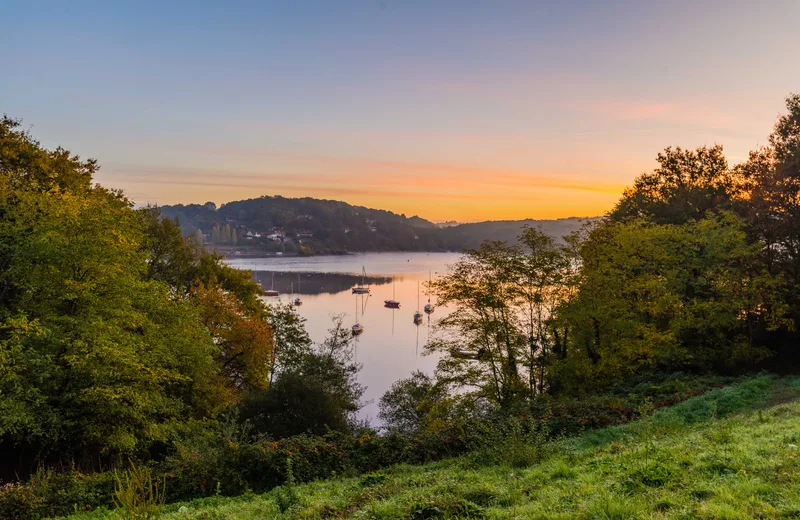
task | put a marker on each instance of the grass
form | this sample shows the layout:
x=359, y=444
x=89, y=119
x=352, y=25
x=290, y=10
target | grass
x=722, y=455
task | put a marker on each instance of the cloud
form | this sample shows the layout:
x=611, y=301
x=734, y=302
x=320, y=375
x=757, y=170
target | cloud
x=691, y=113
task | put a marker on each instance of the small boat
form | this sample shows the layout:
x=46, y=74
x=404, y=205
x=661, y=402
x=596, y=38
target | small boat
x=429, y=306
x=358, y=329
x=272, y=291
x=361, y=288
x=391, y=304
x=297, y=302
x=417, y=314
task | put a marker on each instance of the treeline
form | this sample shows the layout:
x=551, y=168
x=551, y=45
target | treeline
x=122, y=342
x=696, y=269
x=113, y=327
x=324, y=226
x=117, y=334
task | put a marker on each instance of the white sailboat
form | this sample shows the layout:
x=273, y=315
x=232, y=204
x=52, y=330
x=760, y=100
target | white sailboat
x=272, y=291
x=361, y=288
x=417, y=314
x=358, y=329
x=297, y=301
x=429, y=306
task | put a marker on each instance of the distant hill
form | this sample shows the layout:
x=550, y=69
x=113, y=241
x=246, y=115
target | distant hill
x=471, y=235
x=316, y=226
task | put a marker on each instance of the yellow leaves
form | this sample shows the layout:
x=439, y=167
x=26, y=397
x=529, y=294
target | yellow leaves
x=245, y=341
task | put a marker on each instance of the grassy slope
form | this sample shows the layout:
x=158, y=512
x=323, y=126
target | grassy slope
x=685, y=462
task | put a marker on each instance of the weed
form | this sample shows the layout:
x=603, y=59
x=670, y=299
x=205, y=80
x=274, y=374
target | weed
x=137, y=496
x=286, y=496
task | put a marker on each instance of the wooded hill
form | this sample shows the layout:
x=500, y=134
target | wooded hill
x=315, y=226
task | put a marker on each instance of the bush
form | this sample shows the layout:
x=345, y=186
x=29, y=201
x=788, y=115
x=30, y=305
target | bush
x=137, y=495
x=48, y=493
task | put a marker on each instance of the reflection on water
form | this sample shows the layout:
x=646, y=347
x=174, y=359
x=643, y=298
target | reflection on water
x=391, y=346
x=314, y=283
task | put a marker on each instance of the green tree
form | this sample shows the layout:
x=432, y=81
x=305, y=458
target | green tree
x=103, y=346
x=315, y=390
x=482, y=345
x=197, y=238
x=227, y=235
x=669, y=297
x=410, y=404
x=686, y=185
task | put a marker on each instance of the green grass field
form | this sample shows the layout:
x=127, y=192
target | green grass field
x=730, y=453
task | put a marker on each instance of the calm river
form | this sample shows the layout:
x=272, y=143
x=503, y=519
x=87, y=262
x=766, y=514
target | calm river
x=391, y=346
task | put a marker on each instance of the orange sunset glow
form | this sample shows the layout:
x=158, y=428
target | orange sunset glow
x=450, y=112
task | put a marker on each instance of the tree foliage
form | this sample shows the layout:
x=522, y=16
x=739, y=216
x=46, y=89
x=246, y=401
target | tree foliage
x=113, y=328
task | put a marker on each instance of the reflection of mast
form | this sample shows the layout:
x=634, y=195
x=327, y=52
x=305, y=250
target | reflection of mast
x=416, y=350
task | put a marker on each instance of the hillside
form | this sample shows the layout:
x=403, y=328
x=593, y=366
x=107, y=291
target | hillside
x=315, y=226
x=731, y=453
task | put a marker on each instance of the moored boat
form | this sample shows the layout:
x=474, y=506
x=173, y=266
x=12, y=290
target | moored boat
x=361, y=288
x=391, y=304
x=272, y=291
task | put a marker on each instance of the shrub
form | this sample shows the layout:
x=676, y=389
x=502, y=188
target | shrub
x=137, y=495
x=49, y=493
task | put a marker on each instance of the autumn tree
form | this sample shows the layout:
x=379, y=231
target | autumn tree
x=686, y=185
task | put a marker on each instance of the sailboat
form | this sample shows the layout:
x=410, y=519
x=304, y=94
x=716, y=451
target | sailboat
x=429, y=306
x=417, y=314
x=272, y=291
x=392, y=304
x=357, y=328
x=297, y=301
x=361, y=288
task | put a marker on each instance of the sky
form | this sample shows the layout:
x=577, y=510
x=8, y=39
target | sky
x=451, y=110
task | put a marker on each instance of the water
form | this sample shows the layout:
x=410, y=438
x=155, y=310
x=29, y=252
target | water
x=391, y=346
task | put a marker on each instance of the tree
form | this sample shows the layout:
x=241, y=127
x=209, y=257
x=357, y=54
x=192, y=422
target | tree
x=315, y=390
x=97, y=359
x=411, y=403
x=669, y=297
x=480, y=340
x=687, y=184
x=290, y=338
x=244, y=341
x=104, y=346
x=197, y=238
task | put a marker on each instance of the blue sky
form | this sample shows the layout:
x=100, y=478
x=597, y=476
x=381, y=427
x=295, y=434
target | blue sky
x=466, y=110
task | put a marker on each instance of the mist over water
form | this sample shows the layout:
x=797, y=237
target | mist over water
x=391, y=346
